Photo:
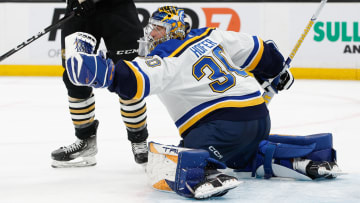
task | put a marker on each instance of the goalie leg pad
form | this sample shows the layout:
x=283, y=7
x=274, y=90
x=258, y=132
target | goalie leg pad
x=323, y=150
x=275, y=155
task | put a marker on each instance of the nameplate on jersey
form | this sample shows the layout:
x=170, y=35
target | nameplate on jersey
x=202, y=47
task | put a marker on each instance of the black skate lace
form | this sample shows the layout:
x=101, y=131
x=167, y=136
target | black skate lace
x=139, y=148
x=74, y=146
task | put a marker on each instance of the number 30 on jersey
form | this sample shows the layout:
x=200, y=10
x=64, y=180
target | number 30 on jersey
x=222, y=74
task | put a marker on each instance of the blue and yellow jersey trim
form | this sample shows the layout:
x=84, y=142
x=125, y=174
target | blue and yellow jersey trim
x=191, y=41
x=200, y=111
x=142, y=80
x=254, y=58
x=175, y=47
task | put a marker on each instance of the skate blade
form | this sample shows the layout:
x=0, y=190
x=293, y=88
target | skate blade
x=210, y=191
x=78, y=162
x=335, y=173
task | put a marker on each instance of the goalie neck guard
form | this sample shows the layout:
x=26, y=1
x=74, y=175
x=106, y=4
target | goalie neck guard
x=171, y=18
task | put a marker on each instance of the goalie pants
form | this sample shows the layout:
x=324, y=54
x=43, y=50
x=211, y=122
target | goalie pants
x=117, y=23
x=234, y=143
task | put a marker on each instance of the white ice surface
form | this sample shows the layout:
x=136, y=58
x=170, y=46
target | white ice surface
x=35, y=120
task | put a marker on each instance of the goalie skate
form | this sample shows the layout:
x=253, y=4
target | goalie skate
x=329, y=170
x=215, y=187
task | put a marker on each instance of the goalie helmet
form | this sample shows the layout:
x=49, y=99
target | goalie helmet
x=174, y=22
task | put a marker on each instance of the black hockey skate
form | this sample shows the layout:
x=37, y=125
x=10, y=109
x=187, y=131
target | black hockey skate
x=79, y=154
x=140, y=151
x=323, y=169
x=215, y=186
x=138, y=137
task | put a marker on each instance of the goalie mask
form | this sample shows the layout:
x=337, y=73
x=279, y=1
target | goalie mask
x=167, y=22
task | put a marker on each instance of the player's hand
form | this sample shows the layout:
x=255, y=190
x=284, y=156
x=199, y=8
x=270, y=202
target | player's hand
x=83, y=7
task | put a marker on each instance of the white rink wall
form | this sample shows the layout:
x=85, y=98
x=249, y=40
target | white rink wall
x=281, y=22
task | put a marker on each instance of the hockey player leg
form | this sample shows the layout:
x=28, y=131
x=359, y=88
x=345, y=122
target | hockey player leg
x=82, y=152
x=81, y=104
x=79, y=154
x=133, y=113
x=188, y=172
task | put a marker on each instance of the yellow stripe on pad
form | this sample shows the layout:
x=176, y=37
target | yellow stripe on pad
x=152, y=148
x=162, y=185
x=172, y=158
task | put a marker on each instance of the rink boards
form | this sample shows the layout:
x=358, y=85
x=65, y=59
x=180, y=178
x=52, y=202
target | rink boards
x=330, y=51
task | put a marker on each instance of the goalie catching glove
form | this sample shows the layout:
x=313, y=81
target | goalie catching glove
x=188, y=172
x=84, y=68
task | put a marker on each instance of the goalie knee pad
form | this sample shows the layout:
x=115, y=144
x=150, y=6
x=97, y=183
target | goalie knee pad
x=178, y=169
x=276, y=155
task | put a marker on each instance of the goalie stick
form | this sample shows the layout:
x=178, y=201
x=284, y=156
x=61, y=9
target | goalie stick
x=37, y=36
x=269, y=95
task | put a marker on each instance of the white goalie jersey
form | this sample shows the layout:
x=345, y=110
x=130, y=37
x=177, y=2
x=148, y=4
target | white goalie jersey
x=202, y=74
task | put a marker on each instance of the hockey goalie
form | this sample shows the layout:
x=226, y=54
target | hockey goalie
x=201, y=77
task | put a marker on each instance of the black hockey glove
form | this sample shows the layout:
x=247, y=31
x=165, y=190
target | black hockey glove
x=83, y=7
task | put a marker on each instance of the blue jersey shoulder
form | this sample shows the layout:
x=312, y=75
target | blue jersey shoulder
x=166, y=48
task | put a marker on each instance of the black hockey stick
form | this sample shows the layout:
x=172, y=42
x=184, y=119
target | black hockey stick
x=37, y=36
